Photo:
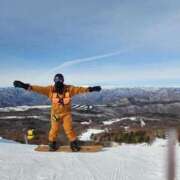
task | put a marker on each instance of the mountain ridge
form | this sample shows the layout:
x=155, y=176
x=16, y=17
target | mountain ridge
x=115, y=97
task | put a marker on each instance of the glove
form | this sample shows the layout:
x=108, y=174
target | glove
x=20, y=84
x=95, y=88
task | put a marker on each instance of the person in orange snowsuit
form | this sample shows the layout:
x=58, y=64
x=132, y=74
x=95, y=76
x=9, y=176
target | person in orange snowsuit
x=60, y=96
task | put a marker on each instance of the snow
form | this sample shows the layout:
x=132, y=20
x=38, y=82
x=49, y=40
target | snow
x=82, y=107
x=142, y=123
x=160, y=142
x=6, y=141
x=132, y=118
x=86, y=122
x=109, y=122
x=126, y=162
x=20, y=117
x=86, y=136
x=23, y=108
x=126, y=128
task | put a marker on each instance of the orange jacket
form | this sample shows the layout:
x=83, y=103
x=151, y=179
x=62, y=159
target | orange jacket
x=57, y=107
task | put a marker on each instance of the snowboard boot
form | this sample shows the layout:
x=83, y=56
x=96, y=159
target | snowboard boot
x=75, y=147
x=52, y=146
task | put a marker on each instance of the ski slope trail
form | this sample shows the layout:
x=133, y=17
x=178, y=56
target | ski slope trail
x=126, y=162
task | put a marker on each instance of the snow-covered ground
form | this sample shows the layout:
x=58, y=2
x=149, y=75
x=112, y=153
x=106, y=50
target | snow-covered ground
x=25, y=108
x=126, y=162
x=86, y=136
x=21, y=117
x=22, y=108
x=86, y=122
x=109, y=122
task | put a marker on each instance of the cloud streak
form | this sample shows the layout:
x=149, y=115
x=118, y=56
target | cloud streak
x=87, y=59
x=47, y=75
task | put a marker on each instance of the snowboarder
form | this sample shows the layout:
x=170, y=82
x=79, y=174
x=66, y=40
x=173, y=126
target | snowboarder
x=60, y=96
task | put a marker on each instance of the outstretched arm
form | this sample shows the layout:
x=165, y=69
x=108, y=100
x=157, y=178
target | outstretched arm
x=44, y=90
x=38, y=89
x=78, y=90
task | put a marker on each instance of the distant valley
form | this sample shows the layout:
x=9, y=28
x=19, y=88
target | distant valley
x=113, y=115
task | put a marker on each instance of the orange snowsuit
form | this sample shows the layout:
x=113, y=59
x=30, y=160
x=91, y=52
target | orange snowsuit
x=61, y=108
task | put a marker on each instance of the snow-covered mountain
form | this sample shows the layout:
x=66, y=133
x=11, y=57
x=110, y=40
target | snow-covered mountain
x=123, y=101
x=120, y=96
x=126, y=162
x=18, y=97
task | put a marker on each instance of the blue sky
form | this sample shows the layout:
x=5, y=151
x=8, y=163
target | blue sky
x=113, y=43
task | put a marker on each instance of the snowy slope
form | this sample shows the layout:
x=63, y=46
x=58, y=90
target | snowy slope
x=126, y=162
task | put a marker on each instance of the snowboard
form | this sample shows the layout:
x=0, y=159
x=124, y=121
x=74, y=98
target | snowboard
x=90, y=148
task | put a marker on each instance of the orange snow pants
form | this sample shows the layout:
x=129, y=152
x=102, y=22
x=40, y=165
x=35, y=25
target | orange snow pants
x=57, y=122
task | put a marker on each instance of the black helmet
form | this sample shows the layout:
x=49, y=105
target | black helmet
x=59, y=78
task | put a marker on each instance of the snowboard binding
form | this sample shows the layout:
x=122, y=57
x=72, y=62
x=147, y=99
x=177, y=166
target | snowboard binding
x=52, y=146
x=75, y=146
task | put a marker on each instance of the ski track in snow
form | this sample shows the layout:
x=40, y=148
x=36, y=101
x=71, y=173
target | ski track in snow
x=126, y=162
